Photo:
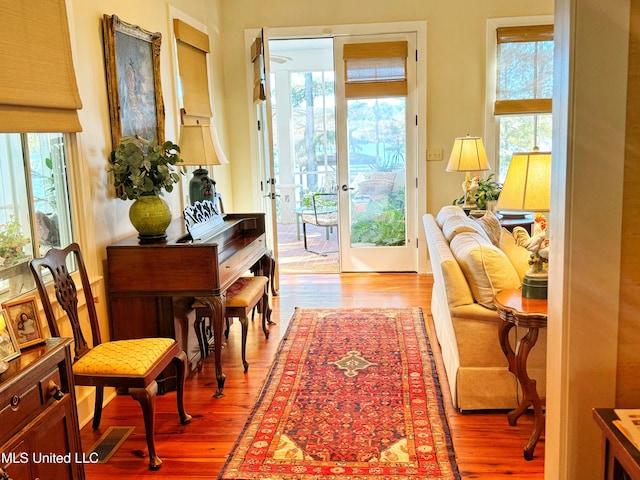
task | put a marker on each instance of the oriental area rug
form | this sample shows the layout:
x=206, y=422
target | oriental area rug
x=352, y=394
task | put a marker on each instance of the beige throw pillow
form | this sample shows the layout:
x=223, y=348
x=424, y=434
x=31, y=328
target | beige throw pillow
x=458, y=224
x=491, y=225
x=448, y=211
x=486, y=267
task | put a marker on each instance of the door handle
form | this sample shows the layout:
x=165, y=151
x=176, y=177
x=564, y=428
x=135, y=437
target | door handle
x=346, y=187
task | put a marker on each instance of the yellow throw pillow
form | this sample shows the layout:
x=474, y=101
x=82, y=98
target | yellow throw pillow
x=486, y=267
x=518, y=255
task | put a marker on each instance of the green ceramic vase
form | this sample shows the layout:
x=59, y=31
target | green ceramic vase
x=150, y=215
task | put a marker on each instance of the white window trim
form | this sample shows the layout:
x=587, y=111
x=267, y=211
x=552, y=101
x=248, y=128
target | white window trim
x=491, y=126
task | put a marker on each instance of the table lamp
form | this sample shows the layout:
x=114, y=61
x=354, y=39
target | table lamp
x=200, y=146
x=527, y=188
x=468, y=155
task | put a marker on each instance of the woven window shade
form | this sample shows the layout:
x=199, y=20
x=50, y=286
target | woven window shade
x=193, y=47
x=38, y=90
x=375, y=69
x=526, y=86
x=528, y=33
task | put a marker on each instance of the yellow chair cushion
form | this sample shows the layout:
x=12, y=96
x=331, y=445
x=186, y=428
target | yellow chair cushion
x=244, y=290
x=123, y=357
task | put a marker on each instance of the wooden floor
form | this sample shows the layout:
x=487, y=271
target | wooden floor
x=486, y=446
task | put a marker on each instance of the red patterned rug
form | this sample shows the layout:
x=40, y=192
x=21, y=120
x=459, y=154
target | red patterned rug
x=353, y=394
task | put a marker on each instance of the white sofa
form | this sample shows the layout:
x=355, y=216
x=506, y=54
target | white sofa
x=472, y=260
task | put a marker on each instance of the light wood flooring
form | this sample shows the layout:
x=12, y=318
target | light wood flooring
x=486, y=446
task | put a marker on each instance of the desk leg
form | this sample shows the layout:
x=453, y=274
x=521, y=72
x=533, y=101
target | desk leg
x=217, y=307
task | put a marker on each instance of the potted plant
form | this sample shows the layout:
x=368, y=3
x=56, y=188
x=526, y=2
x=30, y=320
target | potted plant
x=488, y=190
x=141, y=171
x=12, y=241
x=483, y=191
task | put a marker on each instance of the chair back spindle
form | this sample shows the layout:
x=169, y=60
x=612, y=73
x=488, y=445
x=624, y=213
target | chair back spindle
x=66, y=294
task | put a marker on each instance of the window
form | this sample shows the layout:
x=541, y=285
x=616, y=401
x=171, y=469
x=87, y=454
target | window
x=34, y=205
x=523, y=91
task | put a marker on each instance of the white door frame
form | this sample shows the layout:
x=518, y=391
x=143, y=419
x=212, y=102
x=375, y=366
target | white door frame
x=420, y=28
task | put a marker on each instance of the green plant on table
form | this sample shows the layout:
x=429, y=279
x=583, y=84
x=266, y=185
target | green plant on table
x=487, y=190
x=145, y=168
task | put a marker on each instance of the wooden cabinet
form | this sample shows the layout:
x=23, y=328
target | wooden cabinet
x=39, y=431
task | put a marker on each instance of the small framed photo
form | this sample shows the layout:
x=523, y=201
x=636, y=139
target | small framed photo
x=23, y=318
x=9, y=348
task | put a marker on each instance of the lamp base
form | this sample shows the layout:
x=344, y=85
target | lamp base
x=535, y=286
x=201, y=187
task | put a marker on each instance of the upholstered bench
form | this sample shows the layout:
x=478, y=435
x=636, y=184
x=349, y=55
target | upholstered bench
x=242, y=297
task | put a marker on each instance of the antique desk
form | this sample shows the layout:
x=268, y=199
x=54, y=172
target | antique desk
x=531, y=314
x=620, y=459
x=39, y=431
x=151, y=286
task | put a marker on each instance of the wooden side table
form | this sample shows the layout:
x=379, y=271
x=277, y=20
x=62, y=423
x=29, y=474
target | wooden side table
x=514, y=310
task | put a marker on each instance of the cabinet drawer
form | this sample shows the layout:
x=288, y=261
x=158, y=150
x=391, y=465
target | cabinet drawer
x=48, y=386
x=26, y=401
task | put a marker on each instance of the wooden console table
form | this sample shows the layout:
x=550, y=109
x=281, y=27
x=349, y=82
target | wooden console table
x=529, y=313
x=620, y=459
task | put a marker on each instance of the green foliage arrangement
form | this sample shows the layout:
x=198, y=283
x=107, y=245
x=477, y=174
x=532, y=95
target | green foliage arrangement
x=11, y=242
x=382, y=223
x=488, y=190
x=145, y=168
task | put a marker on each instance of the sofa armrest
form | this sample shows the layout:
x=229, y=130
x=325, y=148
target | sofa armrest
x=475, y=311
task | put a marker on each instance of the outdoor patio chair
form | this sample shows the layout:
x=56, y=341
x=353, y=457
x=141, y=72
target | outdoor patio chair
x=323, y=213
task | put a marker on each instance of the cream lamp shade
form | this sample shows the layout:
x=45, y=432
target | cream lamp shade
x=200, y=145
x=527, y=186
x=468, y=155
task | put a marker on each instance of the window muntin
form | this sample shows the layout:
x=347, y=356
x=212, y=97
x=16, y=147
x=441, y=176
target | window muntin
x=34, y=205
x=518, y=133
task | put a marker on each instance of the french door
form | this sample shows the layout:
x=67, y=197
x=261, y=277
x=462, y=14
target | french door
x=369, y=158
x=377, y=138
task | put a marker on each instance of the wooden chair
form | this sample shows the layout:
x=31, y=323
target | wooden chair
x=129, y=365
x=323, y=213
x=243, y=297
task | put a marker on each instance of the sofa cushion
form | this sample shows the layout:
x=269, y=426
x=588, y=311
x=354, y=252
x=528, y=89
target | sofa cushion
x=487, y=269
x=518, y=255
x=491, y=226
x=448, y=211
x=455, y=225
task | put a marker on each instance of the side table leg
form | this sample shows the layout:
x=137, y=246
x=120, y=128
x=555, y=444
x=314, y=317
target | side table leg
x=530, y=391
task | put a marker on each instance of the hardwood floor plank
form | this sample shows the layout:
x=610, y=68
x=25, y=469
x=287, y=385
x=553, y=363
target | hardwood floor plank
x=486, y=446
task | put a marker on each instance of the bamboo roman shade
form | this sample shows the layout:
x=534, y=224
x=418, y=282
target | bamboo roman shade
x=193, y=47
x=375, y=69
x=537, y=98
x=38, y=90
